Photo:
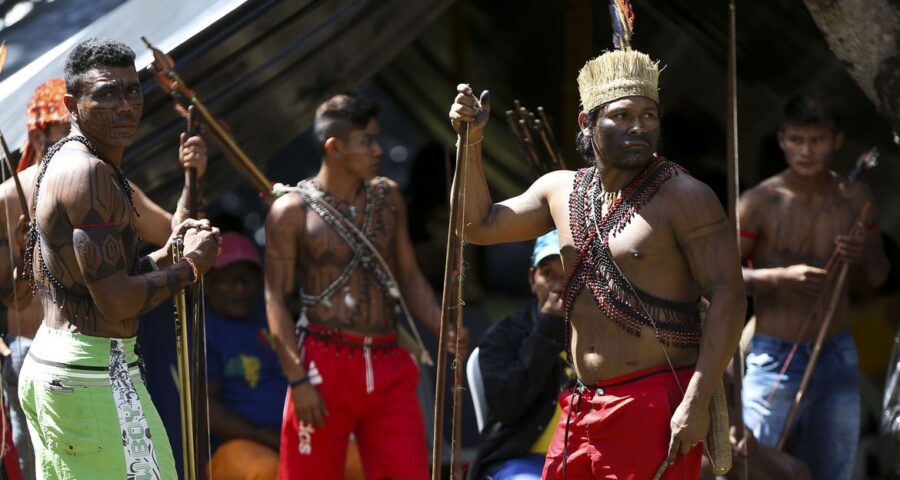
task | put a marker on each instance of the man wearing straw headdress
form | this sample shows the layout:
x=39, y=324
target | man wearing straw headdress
x=791, y=224
x=643, y=244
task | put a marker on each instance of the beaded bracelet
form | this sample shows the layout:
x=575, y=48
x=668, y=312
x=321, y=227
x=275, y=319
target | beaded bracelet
x=297, y=383
x=194, y=268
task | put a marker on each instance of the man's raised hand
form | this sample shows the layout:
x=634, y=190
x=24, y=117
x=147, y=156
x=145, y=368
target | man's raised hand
x=467, y=109
x=192, y=153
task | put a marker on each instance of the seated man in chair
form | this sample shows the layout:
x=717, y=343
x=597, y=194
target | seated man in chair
x=523, y=370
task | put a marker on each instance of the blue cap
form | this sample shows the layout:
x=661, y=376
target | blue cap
x=545, y=246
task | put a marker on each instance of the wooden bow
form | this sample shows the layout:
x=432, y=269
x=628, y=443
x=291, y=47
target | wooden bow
x=835, y=286
x=192, y=376
x=8, y=161
x=733, y=173
x=451, y=307
x=199, y=392
x=170, y=81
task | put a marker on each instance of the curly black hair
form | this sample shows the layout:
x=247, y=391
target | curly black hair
x=342, y=113
x=92, y=53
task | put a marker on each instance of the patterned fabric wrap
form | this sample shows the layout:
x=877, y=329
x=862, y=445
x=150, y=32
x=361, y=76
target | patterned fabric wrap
x=89, y=412
x=676, y=323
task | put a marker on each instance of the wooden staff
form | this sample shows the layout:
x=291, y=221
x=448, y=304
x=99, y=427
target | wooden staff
x=451, y=306
x=856, y=232
x=184, y=377
x=737, y=361
x=170, y=81
x=199, y=395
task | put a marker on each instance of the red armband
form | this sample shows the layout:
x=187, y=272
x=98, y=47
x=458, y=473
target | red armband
x=748, y=235
x=95, y=225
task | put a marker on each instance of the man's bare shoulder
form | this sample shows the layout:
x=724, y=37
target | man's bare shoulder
x=8, y=189
x=288, y=208
x=690, y=206
x=557, y=178
x=686, y=188
x=83, y=185
x=26, y=179
x=555, y=183
x=391, y=192
x=766, y=192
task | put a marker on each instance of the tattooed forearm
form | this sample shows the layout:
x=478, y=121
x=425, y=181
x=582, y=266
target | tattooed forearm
x=163, y=284
x=711, y=253
x=147, y=264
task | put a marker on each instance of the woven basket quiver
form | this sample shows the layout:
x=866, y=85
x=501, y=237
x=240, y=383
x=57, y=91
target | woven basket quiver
x=718, y=443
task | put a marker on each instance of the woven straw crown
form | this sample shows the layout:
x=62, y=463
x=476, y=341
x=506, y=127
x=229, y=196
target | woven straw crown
x=618, y=74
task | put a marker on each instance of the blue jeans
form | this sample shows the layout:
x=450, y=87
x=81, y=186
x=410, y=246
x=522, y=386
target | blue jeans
x=826, y=428
x=528, y=467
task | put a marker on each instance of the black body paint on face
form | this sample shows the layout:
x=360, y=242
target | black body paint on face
x=110, y=107
x=624, y=150
x=627, y=133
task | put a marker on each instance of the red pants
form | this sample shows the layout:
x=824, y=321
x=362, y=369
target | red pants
x=10, y=455
x=621, y=430
x=370, y=392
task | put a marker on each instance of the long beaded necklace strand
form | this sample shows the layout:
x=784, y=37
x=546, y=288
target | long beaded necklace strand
x=593, y=267
x=32, y=242
x=350, y=211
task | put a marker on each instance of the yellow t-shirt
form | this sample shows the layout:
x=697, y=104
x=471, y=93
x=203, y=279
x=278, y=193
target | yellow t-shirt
x=543, y=442
x=542, y=445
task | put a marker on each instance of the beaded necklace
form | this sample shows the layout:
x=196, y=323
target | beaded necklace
x=349, y=212
x=677, y=323
x=372, y=224
x=59, y=293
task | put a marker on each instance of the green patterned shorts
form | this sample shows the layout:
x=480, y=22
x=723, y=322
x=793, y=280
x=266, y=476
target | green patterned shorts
x=88, y=411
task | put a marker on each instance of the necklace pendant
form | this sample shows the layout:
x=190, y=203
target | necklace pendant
x=349, y=301
x=352, y=211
